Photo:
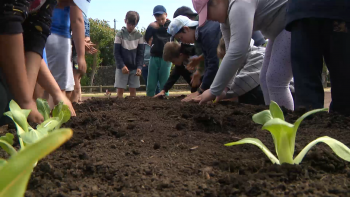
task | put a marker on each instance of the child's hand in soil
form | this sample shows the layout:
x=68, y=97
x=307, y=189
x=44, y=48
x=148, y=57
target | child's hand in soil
x=160, y=94
x=67, y=102
x=125, y=70
x=196, y=79
x=190, y=97
x=207, y=96
x=34, y=115
x=138, y=72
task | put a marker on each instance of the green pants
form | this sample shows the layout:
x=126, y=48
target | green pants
x=158, y=70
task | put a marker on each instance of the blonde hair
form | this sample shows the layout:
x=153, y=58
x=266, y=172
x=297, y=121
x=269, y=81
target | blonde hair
x=221, y=50
x=171, y=51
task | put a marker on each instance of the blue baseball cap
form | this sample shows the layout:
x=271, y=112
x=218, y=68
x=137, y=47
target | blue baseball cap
x=159, y=9
x=178, y=23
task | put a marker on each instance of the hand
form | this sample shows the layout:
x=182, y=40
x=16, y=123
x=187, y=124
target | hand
x=197, y=99
x=34, y=116
x=125, y=70
x=190, y=97
x=66, y=101
x=222, y=96
x=82, y=65
x=196, y=79
x=138, y=72
x=160, y=94
x=193, y=63
x=207, y=96
x=89, y=46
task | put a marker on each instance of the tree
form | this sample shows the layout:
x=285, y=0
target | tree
x=103, y=36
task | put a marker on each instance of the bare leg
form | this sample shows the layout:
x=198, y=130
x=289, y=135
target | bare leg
x=132, y=92
x=38, y=92
x=76, y=94
x=120, y=92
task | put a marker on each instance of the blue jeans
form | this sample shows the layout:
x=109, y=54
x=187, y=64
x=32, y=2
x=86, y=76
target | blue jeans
x=145, y=75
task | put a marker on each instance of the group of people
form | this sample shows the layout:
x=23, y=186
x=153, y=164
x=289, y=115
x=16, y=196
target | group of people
x=36, y=58
x=219, y=51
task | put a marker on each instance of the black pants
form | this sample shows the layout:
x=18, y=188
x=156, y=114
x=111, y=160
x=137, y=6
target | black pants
x=315, y=40
x=14, y=19
x=253, y=97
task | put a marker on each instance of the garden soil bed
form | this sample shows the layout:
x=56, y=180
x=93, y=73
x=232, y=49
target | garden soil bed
x=149, y=147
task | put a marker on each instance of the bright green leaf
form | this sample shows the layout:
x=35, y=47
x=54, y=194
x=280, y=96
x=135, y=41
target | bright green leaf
x=19, y=116
x=338, y=148
x=7, y=147
x=20, y=131
x=298, y=122
x=65, y=114
x=2, y=163
x=262, y=117
x=43, y=108
x=259, y=144
x=284, y=139
x=57, y=109
x=8, y=138
x=16, y=173
x=33, y=136
x=49, y=125
x=276, y=111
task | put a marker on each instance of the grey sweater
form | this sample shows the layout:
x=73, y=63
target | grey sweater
x=244, y=17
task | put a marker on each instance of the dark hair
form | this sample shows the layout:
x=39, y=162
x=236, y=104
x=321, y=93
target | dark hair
x=182, y=30
x=132, y=17
x=185, y=11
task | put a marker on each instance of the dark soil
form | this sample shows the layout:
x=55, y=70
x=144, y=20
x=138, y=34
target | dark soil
x=149, y=147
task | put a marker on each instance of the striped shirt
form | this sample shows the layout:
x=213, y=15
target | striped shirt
x=129, y=49
x=248, y=77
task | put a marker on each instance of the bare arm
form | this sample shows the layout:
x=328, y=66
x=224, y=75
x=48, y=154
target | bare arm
x=78, y=29
x=13, y=65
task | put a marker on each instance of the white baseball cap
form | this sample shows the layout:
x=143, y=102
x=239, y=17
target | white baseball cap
x=178, y=23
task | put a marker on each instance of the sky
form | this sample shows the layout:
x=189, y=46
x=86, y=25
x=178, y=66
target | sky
x=116, y=9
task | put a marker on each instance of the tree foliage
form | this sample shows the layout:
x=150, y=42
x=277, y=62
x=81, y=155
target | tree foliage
x=103, y=36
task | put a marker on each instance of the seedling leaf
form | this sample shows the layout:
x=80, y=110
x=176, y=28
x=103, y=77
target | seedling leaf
x=33, y=136
x=16, y=173
x=7, y=147
x=262, y=117
x=338, y=148
x=259, y=144
x=8, y=138
x=276, y=111
x=43, y=108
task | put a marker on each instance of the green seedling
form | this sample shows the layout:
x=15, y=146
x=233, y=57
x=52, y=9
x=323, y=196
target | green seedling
x=284, y=133
x=28, y=135
x=35, y=144
x=15, y=172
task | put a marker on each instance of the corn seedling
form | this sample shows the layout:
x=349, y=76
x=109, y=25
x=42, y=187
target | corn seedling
x=284, y=133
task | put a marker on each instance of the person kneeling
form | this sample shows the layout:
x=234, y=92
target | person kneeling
x=180, y=55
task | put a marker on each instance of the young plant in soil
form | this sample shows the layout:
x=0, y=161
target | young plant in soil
x=284, y=133
x=34, y=145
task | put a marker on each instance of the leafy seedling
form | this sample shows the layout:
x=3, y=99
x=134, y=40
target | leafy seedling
x=284, y=133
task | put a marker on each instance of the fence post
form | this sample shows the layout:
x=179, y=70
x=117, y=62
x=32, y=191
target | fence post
x=100, y=88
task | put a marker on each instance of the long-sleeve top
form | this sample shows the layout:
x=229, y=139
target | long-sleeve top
x=160, y=38
x=177, y=72
x=244, y=17
x=248, y=77
x=129, y=49
x=208, y=38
